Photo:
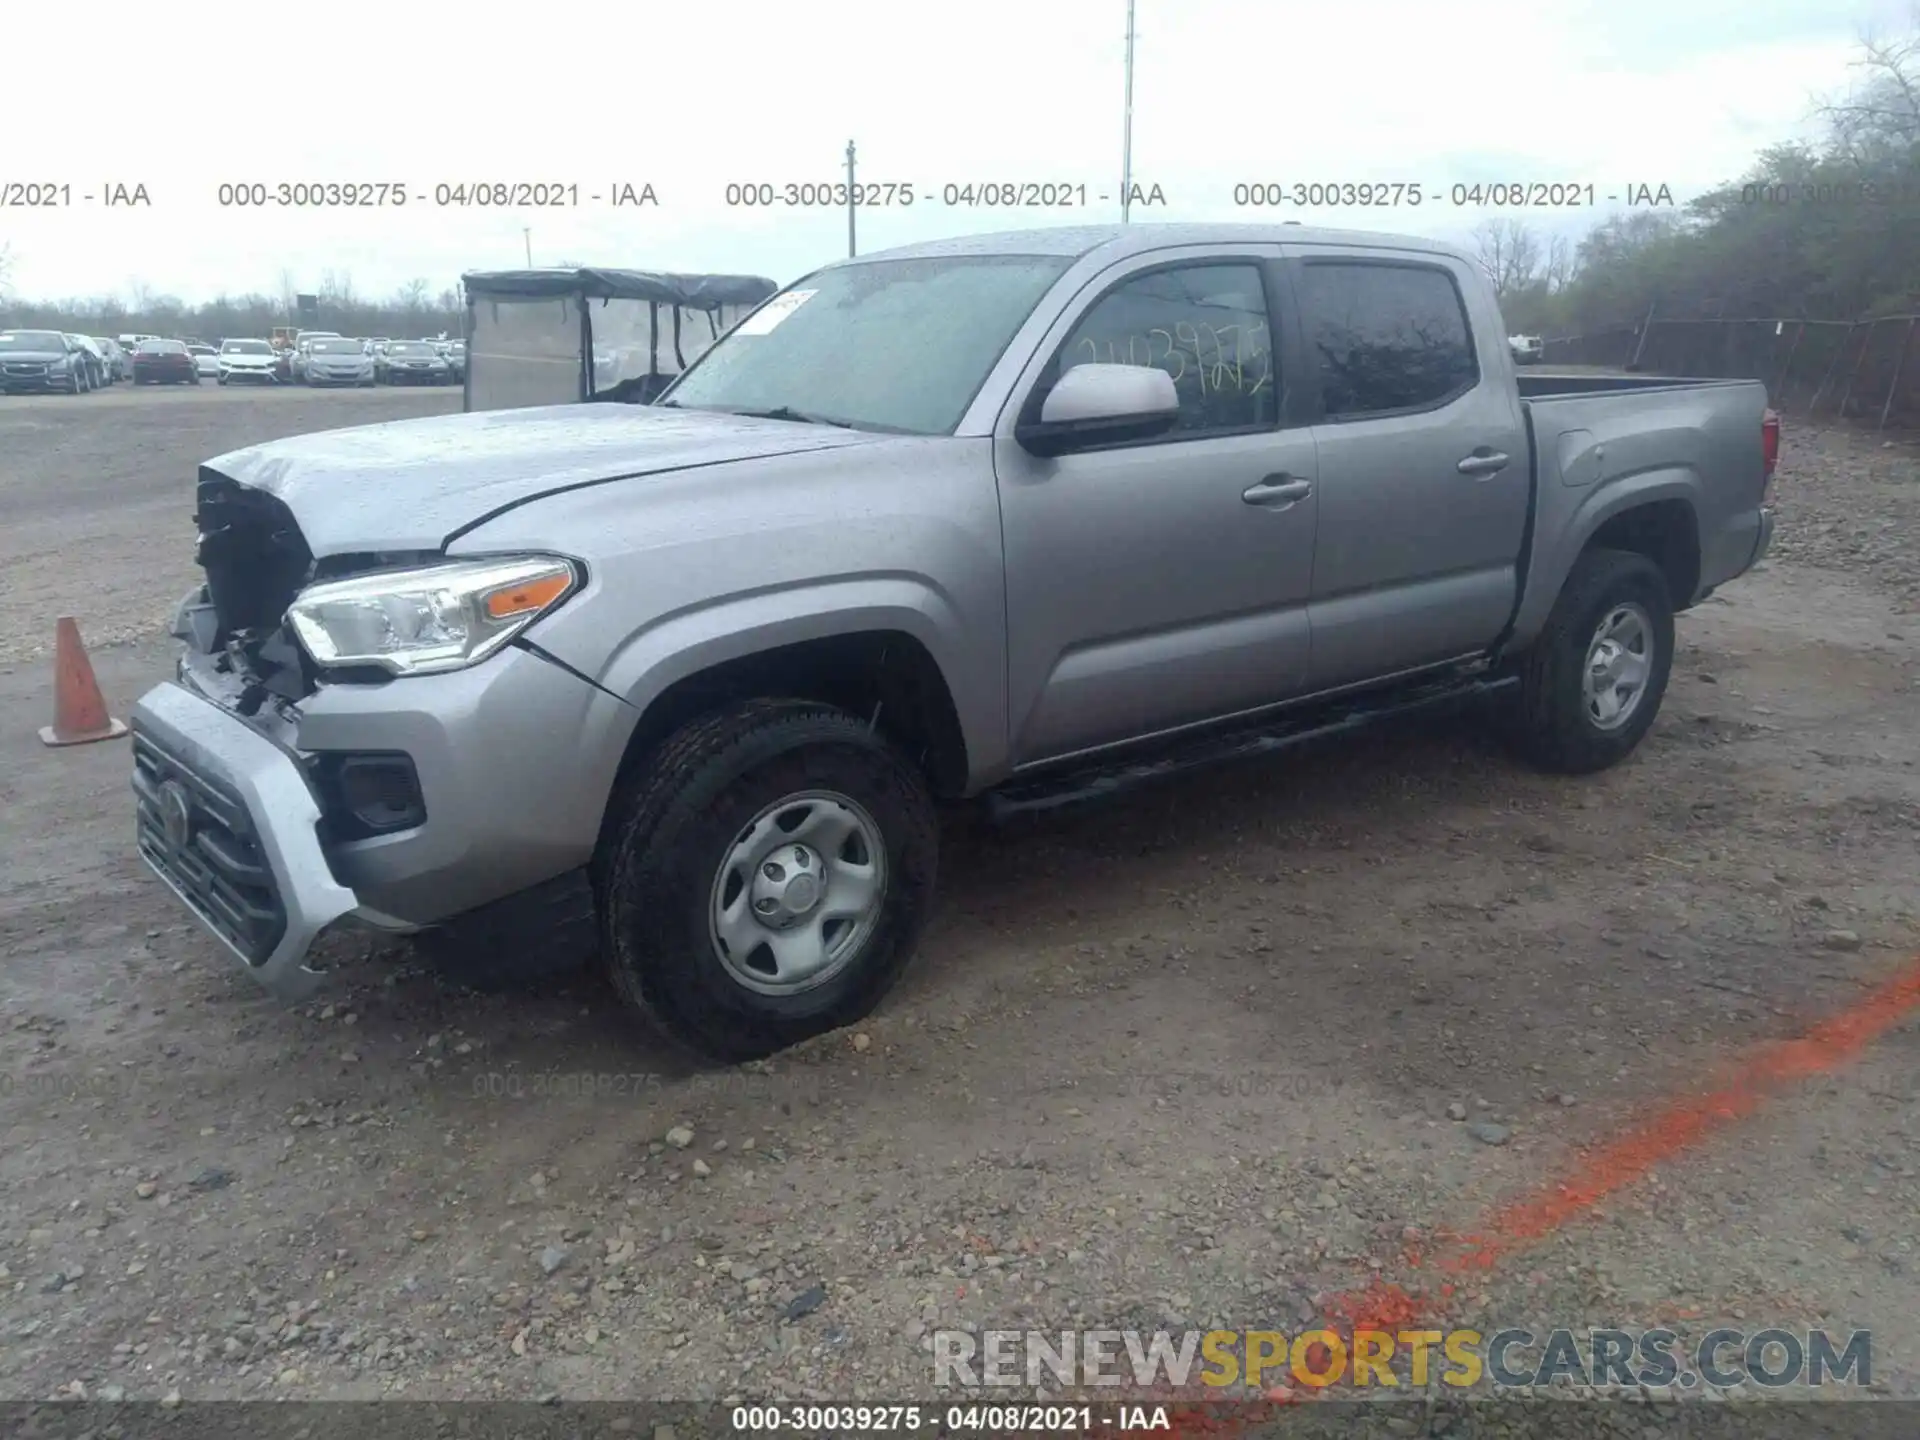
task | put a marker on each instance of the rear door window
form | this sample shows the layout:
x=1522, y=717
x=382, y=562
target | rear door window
x=1385, y=338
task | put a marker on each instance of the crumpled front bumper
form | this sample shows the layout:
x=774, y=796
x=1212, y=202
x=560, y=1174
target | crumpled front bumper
x=226, y=819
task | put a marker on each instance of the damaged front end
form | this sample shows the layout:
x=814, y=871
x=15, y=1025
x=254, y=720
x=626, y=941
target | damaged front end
x=240, y=647
x=232, y=813
x=256, y=562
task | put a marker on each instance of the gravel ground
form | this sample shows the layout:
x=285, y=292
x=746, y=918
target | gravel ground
x=1218, y=1053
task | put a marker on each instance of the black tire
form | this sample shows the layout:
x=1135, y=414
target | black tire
x=1551, y=724
x=670, y=831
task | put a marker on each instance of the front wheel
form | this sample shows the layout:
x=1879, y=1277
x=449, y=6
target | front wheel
x=767, y=878
x=1592, y=683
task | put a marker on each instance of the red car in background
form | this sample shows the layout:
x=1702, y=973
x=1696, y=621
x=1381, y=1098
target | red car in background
x=164, y=362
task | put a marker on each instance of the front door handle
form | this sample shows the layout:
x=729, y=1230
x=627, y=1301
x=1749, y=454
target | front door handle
x=1483, y=462
x=1277, y=490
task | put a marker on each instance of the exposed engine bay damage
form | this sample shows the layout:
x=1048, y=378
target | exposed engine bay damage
x=256, y=561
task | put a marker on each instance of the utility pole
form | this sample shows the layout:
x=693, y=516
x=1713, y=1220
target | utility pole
x=852, y=200
x=1126, y=138
x=526, y=234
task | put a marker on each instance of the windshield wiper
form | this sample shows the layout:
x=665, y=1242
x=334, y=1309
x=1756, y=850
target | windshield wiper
x=787, y=412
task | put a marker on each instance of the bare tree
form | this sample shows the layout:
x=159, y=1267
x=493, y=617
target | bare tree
x=1881, y=114
x=413, y=295
x=336, y=288
x=1561, y=265
x=1510, y=254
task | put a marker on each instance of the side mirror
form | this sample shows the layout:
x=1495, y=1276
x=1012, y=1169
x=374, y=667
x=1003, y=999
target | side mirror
x=1101, y=405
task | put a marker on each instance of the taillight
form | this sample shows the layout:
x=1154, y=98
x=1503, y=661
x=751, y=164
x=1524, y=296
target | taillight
x=1770, y=443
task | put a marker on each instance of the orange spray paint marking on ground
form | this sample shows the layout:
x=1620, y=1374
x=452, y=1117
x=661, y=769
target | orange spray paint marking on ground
x=1609, y=1167
x=1685, y=1123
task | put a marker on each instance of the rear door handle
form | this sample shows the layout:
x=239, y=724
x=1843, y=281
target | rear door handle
x=1483, y=462
x=1277, y=490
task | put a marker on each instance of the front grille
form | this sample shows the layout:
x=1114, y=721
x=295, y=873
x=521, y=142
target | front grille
x=196, y=832
x=26, y=370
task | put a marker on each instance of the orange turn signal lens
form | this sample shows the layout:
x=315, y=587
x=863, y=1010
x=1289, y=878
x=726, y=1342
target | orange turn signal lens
x=527, y=596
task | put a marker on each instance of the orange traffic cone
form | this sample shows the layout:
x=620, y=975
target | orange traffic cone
x=79, y=711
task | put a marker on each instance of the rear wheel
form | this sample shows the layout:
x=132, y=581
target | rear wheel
x=1592, y=684
x=767, y=878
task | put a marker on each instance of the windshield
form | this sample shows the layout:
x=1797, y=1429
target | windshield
x=896, y=345
x=412, y=347
x=246, y=347
x=337, y=347
x=17, y=340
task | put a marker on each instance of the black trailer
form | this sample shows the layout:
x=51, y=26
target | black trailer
x=552, y=337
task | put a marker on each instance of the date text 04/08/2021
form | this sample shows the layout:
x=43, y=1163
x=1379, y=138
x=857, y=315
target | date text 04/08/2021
x=1386, y=194
x=968, y=1419
x=969, y=194
x=443, y=194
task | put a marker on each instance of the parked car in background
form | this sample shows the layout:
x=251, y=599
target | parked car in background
x=119, y=367
x=302, y=342
x=247, y=361
x=164, y=362
x=1527, y=349
x=99, y=375
x=43, y=360
x=206, y=359
x=127, y=342
x=457, y=359
x=413, y=362
x=379, y=343
x=338, y=361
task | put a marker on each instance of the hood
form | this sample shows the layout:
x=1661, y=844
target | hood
x=350, y=362
x=31, y=357
x=411, y=485
x=416, y=361
x=240, y=358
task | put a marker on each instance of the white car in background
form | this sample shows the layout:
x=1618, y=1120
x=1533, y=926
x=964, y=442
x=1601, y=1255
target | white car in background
x=1527, y=349
x=247, y=361
x=206, y=359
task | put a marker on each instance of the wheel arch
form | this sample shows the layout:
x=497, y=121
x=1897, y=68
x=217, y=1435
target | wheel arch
x=883, y=673
x=1653, y=515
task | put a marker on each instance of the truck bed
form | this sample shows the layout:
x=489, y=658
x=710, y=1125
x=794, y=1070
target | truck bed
x=1603, y=442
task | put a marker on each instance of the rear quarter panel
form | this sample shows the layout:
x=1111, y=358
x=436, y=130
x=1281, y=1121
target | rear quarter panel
x=1599, y=455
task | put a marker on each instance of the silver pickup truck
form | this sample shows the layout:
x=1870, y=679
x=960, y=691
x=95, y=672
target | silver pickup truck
x=1021, y=517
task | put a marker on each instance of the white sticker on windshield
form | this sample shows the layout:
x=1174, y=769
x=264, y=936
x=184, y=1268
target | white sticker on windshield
x=774, y=311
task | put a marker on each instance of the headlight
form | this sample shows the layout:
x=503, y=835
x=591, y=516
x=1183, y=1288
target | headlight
x=421, y=622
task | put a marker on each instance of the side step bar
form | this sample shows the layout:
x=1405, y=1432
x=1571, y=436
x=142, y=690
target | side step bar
x=1094, y=782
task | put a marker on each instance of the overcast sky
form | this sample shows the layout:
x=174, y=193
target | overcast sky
x=687, y=99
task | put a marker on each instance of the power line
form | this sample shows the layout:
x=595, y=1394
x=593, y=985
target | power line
x=1126, y=138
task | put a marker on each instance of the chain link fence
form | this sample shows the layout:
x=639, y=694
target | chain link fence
x=1859, y=370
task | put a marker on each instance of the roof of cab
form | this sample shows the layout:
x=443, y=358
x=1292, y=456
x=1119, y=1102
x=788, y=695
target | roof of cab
x=1120, y=241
